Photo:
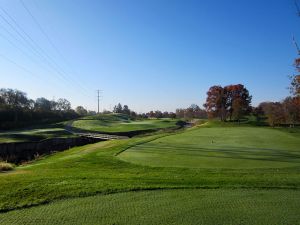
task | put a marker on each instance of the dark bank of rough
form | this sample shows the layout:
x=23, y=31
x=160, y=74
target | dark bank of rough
x=19, y=152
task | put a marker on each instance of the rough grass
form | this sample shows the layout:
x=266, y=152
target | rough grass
x=4, y=166
x=182, y=207
x=220, y=147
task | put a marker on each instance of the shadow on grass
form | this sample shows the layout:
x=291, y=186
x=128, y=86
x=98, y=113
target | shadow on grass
x=23, y=137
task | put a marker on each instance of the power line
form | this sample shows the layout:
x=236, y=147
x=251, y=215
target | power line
x=13, y=28
x=40, y=27
x=23, y=38
x=31, y=42
x=20, y=66
x=40, y=52
x=12, y=36
x=21, y=50
x=47, y=37
x=34, y=46
x=27, y=55
x=12, y=43
x=23, y=68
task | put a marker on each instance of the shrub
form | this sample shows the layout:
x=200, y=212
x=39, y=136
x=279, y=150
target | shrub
x=4, y=166
x=181, y=123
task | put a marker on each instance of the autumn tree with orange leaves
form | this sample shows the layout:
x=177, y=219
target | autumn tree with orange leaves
x=295, y=80
x=231, y=101
x=292, y=103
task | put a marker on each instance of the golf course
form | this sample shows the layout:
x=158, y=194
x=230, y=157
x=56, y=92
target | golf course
x=214, y=173
x=149, y=112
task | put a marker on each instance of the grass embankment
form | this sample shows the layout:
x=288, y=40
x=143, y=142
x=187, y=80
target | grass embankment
x=34, y=134
x=120, y=123
x=244, y=186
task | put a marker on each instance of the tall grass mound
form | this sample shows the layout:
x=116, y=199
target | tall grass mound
x=121, y=123
x=4, y=166
x=115, y=117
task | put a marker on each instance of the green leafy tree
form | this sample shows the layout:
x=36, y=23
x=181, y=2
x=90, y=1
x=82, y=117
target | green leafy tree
x=80, y=110
x=43, y=104
x=63, y=105
x=15, y=100
x=118, y=108
x=126, y=110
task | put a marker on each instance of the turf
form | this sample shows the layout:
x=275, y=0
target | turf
x=32, y=134
x=112, y=123
x=220, y=147
x=97, y=169
x=168, y=207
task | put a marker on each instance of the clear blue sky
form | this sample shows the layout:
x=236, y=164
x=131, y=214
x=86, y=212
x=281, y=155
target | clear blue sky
x=154, y=54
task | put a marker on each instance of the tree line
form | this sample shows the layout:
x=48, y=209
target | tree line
x=233, y=102
x=17, y=110
x=279, y=113
x=284, y=112
x=134, y=115
x=192, y=112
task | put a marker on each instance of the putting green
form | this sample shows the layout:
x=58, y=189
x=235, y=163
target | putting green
x=191, y=206
x=220, y=147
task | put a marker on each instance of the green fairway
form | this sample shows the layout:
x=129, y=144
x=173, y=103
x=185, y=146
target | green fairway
x=239, y=191
x=112, y=123
x=166, y=207
x=33, y=134
x=220, y=147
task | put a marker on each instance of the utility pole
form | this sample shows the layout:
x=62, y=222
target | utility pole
x=98, y=97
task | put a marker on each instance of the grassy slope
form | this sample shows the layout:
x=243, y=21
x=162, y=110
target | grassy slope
x=120, y=123
x=220, y=147
x=36, y=133
x=168, y=207
x=95, y=169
